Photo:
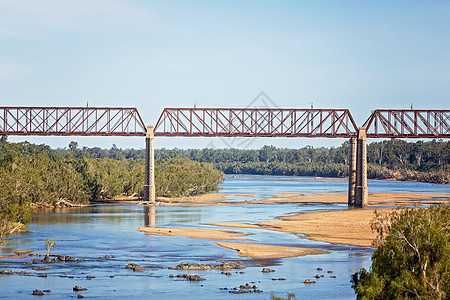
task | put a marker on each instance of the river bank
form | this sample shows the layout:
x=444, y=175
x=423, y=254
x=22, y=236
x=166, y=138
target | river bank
x=348, y=227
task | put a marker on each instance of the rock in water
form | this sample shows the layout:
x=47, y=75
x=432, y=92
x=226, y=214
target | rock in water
x=267, y=270
x=79, y=288
x=309, y=281
x=38, y=293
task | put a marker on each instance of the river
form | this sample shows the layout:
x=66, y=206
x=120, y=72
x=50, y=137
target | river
x=111, y=230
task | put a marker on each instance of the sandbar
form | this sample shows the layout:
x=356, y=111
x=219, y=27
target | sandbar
x=197, y=233
x=260, y=251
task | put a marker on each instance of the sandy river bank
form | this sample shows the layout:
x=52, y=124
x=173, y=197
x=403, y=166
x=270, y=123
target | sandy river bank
x=349, y=227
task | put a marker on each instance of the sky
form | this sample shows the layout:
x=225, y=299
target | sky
x=357, y=55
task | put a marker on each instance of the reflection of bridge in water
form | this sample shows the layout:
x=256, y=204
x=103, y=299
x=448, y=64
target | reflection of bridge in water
x=232, y=122
x=149, y=215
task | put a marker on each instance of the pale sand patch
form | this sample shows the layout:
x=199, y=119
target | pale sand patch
x=209, y=234
x=349, y=227
x=269, y=251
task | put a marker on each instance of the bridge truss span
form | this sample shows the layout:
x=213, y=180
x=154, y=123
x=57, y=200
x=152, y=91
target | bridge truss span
x=86, y=121
x=255, y=122
x=408, y=124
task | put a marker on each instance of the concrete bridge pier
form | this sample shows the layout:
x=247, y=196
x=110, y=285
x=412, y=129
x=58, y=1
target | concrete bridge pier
x=149, y=180
x=352, y=173
x=361, y=191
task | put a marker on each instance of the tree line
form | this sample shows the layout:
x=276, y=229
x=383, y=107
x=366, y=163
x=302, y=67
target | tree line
x=393, y=154
x=422, y=161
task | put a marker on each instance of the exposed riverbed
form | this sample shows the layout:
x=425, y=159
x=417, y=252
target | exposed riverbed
x=106, y=236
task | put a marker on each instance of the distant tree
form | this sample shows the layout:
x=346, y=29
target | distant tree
x=73, y=148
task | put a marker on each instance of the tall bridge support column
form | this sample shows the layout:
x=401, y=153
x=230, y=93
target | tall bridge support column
x=361, y=191
x=352, y=173
x=149, y=183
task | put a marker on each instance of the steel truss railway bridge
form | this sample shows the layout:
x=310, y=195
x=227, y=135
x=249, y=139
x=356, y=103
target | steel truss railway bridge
x=232, y=122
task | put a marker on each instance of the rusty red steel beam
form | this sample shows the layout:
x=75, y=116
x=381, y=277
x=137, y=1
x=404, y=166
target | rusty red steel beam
x=255, y=122
x=408, y=123
x=225, y=122
x=84, y=121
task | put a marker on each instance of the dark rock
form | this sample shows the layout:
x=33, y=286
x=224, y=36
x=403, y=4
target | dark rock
x=80, y=296
x=329, y=271
x=43, y=275
x=319, y=269
x=226, y=273
x=191, y=277
x=332, y=276
x=79, y=288
x=47, y=291
x=35, y=261
x=107, y=257
x=29, y=263
x=225, y=265
x=309, y=281
x=112, y=276
x=40, y=268
x=6, y=272
x=89, y=277
x=278, y=278
x=38, y=293
x=70, y=277
x=171, y=276
x=131, y=266
x=23, y=273
x=63, y=276
x=267, y=270
x=46, y=259
x=61, y=257
x=69, y=258
x=81, y=259
x=247, y=287
x=135, y=267
x=317, y=276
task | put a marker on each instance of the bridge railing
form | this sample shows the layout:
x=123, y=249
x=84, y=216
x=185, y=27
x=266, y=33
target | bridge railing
x=257, y=122
x=408, y=124
x=90, y=121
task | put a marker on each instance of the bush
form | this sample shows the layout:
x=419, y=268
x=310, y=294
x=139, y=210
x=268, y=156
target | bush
x=17, y=213
x=412, y=259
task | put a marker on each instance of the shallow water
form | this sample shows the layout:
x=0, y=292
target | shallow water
x=99, y=230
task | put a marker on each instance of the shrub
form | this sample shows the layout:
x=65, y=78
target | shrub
x=412, y=259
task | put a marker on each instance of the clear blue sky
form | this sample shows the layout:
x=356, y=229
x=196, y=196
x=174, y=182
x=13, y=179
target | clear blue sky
x=359, y=55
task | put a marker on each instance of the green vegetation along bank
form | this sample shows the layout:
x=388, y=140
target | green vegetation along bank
x=412, y=259
x=34, y=175
x=416, y=161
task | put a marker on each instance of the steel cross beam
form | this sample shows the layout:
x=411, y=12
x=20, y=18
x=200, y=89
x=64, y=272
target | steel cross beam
x=255, y=122
x=86, y=121
x=408, y=124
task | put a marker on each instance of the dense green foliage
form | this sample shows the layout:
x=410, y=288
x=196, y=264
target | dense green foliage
x=183, y=177
x=421, y=161
x=393, y=153
x=33, y=174
x=412, y=259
